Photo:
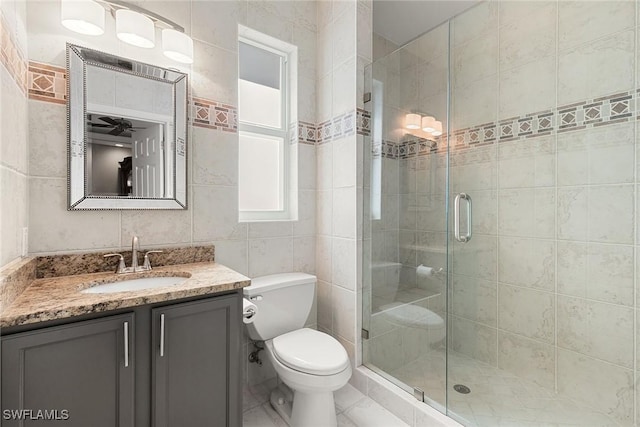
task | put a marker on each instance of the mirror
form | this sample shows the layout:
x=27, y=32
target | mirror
x=127, y=130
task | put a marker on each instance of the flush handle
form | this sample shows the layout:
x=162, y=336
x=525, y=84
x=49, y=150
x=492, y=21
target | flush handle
x=256, y=298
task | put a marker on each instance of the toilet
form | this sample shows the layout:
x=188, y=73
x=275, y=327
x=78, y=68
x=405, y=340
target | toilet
x=310, y=363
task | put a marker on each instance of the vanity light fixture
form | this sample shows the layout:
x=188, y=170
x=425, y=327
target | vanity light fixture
x=134, y=25
x=82, y=16
x=135, y=28
x=422, y=126
x=177, y=46
x=412, y=121
x=437, y=125
x=428, y=124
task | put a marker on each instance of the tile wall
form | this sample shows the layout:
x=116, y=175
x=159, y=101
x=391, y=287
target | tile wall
x=555, y=195
x=14, y=141
x=212, y=218
x=337, y=174
x=334, y=43
x=543, y=136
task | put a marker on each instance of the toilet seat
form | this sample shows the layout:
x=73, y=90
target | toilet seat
x=310, y=351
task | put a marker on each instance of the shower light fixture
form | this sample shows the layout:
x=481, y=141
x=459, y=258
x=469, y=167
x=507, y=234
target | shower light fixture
x=82, y=16
x=134, y=25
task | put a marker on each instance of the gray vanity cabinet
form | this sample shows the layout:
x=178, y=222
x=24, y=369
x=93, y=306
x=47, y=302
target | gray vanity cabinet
x=195, y=364
x=177, y=366
x=84, y=368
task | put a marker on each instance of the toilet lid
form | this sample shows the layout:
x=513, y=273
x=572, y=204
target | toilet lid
x=310, y=351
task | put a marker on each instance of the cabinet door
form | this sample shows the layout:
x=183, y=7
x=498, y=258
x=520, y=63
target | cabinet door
x=81, y=368
x=196, y=364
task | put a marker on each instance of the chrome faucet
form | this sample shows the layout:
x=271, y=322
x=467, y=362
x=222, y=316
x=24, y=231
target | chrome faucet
x=135, y=268
x=135, y=245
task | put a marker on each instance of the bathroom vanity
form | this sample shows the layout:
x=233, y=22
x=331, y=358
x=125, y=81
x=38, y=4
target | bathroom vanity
x=168, y=356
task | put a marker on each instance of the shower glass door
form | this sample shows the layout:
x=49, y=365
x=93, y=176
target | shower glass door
x=405, y=232
x=501, y=258
x=543, y=141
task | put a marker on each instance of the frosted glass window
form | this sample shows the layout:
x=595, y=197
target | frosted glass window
x=259, y=105
x=260, y=173
x=266, y=190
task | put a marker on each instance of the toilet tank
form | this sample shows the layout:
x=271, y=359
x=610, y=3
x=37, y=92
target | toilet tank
x=284, y=302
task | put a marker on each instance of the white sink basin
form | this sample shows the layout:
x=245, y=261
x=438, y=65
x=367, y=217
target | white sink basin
x=135, y=285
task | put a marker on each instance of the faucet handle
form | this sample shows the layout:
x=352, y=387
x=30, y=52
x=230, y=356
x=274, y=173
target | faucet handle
x=121, y=266
x=147, y=263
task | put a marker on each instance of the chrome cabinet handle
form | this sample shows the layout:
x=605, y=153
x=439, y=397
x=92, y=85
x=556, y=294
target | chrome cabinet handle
x=126, y=344
x=456, y=217
x=162, y=335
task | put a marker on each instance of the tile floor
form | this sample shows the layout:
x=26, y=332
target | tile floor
x=497, y=398
x=354, y=409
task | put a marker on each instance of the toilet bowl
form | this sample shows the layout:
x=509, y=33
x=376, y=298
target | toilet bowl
x=311, y=363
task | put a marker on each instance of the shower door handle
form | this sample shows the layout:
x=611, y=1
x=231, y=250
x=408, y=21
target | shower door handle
x=456, y=217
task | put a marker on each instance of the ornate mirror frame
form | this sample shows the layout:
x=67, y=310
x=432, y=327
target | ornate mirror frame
x=78, y=58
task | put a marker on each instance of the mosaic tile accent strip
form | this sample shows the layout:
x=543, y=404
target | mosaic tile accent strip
x=11, y=57
x=390, y=150
x=603, y=111
x=214, y=115
x=336, y=128
x=307, y=133
x=363, y=122
x=47, y=83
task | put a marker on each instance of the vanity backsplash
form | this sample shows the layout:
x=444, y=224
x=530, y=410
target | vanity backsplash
x=94, y=262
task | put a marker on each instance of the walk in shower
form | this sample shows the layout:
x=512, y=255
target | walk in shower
x=500, y=258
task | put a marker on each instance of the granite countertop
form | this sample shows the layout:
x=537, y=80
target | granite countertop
x=61, y=297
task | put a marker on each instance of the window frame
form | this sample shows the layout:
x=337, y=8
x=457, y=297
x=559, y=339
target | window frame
x=287, y=208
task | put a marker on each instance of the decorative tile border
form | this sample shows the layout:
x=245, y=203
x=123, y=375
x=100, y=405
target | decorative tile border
x=307, y=133
x=11, y=57
x=47, y=83
x=363, y=122
x=214, y=115
x=603, y=111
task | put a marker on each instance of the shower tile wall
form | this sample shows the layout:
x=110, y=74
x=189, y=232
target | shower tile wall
x=543, y=137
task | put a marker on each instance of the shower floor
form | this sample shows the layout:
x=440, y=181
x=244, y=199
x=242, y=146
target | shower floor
x=497, y=398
